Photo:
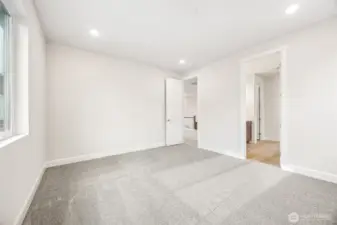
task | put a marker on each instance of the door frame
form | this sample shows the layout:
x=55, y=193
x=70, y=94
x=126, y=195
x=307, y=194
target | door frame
x=166, y=108
x=258, y=117
x=283, y=113
x=198, y=104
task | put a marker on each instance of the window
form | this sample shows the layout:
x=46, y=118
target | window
x=5, y=75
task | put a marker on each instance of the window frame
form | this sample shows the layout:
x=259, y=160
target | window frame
x=7, y=74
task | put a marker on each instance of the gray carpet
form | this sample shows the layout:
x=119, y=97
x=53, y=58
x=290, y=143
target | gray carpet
x=179, y=185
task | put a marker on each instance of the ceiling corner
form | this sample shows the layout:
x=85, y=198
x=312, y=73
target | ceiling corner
x=15, y=7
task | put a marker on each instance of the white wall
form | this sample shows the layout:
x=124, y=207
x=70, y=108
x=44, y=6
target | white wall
x=219, y=106
x=190, y=106
x=21, y=162
x=190, y=110
x=265, y=64
x=102, y=106
x=250, y=93
x=309, y=99
x=272, y=108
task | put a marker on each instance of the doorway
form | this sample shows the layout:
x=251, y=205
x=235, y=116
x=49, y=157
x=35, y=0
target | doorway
x=181, y=111
x=259, y=112
x=190, y=112
x=263, y=103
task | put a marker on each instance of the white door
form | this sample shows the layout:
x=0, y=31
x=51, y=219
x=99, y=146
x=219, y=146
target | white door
x=174, y=111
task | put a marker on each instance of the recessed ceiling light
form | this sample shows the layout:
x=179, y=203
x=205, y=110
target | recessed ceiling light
x=182, y=61
x=94, y=32
x=292, y=9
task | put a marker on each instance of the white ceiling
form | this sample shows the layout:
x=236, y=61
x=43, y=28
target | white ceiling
x=161, y=32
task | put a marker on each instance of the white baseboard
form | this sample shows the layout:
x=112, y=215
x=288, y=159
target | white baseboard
x=87, y=157
x=228, y=153
x=19, y=220
x=320, y=175
x=75, y=159
x=270, y=139
x=329, y=177
x=235, y=155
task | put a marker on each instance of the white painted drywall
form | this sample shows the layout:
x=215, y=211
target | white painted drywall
x=250, y=92
x=190, y=110
x=309, y=96
x=219, y=106
x=99, y=105
x=265, y=64
x=272, y=107
x=21, y=162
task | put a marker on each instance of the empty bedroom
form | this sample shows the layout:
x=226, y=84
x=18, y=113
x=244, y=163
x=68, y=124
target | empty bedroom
x=168, y=112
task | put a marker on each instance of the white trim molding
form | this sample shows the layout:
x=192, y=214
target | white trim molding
x=227, y=153
x=75, y=159
x=329, y=177
x=23, y=212
x=87, y=157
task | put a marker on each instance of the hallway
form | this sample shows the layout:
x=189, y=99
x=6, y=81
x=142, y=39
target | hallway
x=265, y=151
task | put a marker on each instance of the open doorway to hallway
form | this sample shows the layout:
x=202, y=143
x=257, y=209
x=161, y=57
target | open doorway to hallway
x=190, y=112
x=263, y=108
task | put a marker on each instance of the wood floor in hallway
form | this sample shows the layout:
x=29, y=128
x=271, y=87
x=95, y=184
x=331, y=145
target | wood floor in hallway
x=265, y=151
